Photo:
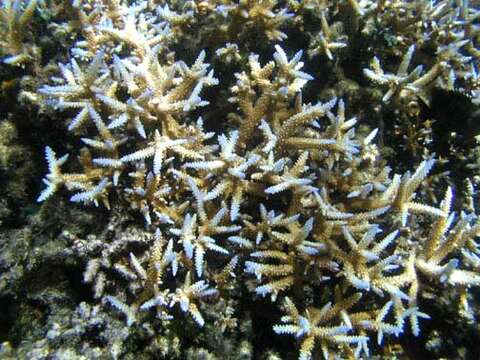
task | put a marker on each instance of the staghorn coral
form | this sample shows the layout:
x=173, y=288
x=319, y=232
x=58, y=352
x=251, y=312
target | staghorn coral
x=232, y=21
x=268, y=193
x=316, y=324
x=363, y=268
x=15, y=16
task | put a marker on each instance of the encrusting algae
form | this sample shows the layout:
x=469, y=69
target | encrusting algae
x=251, y=187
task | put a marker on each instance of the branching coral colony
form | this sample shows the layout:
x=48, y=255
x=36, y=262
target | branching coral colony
x=285, y=195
